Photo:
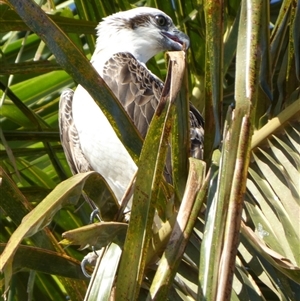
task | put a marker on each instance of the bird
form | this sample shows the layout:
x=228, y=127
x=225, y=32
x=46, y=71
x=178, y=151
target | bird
x=125, y=42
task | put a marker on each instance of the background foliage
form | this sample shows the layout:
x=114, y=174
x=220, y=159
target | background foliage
x=258, y=72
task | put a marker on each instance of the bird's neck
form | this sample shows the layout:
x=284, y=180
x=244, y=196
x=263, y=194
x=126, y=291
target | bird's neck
x=109, y=43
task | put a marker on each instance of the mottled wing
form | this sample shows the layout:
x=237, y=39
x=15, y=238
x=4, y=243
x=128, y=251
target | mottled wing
x=135, y=86
x=69, y=136
x=139, y=92
x=196, y=133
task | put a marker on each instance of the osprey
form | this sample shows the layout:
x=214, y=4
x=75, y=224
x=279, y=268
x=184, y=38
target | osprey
x=126, y=41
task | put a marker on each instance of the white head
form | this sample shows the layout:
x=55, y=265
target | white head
x=142, y=31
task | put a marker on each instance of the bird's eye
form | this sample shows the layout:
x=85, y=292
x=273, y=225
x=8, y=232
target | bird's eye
x=161, y=20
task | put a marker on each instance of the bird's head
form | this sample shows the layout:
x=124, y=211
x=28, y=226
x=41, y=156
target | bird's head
x=143, y=31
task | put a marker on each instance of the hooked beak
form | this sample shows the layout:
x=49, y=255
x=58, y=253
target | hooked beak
x=176, y=39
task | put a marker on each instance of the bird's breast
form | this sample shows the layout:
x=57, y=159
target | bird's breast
x=100, y=144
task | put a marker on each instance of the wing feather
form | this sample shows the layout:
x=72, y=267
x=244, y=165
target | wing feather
x=69, y=135
x=136, y=88
x=139, y=92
